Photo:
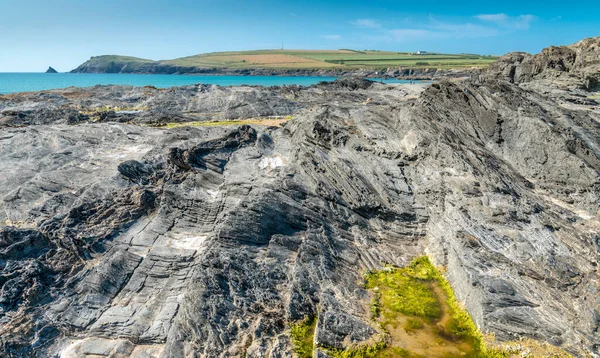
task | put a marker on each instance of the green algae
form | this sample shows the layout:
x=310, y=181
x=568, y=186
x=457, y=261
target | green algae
x=303, y=336
x=419, y=316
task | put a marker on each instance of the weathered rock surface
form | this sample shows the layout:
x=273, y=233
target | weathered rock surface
x=126, y=240
x=574, y=66
x=149, y=105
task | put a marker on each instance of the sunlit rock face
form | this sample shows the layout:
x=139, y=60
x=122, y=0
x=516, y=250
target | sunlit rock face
x=135, y=240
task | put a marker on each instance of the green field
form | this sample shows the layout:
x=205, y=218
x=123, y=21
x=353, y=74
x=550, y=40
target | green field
x=331, y=59
x=312, y=59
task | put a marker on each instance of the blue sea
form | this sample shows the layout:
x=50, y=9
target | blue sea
x=30, y=82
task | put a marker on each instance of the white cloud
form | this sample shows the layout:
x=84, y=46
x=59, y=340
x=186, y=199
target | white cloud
x=521, y=22
x=461, y=30
x=524, y=21
x=492, y=17
x=411, y=34
x=435, y=30
x=331, y=37
x=486, y=25
x=367, y=23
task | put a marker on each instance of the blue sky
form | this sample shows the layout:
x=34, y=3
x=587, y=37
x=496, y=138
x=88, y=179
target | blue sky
x=35, y=34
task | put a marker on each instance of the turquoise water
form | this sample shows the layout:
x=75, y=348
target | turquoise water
x=30, y=82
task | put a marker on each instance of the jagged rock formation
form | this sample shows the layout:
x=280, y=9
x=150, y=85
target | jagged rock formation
x=126, y=240
x=51, y=70
x=574, y=66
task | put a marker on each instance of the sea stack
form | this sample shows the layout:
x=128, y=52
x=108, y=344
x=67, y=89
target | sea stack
x=51, y=70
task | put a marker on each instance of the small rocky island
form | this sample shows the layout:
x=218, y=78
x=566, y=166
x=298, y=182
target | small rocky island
x=207, y=221
x=51, y=70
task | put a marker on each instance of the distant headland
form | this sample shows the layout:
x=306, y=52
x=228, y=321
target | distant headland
x=368, y=63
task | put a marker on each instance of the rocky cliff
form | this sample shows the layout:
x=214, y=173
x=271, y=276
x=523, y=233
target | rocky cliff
x=124, y=236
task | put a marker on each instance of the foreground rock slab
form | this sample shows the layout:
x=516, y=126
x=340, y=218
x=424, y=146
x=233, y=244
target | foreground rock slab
x=122, y=238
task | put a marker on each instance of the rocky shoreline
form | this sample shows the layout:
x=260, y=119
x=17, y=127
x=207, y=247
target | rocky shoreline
x=128, y=230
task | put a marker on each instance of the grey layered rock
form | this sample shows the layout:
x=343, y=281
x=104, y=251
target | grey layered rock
x=125, y=240
x=574, y=66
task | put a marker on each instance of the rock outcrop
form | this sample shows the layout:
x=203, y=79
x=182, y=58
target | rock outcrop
x=574, y=66
x=124, y=239
x=51, y=70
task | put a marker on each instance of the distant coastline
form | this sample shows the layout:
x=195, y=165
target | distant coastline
x=334, y=63
x=409, y=74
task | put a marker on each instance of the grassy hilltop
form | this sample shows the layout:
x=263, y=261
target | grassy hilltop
x=296, y=59
x=328, y=59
